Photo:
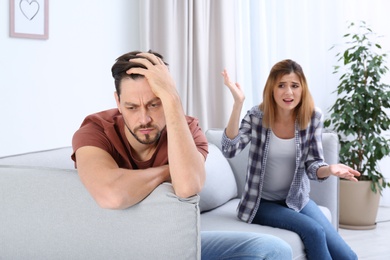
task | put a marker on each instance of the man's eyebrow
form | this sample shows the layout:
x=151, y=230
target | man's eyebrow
x=156, y=99
x=131, y=104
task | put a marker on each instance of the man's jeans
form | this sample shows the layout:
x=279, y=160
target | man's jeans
x=243, y=246
x=320, y=238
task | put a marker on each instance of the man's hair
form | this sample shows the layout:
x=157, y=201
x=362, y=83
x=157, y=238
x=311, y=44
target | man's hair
x=123, y=64
x=303, y=110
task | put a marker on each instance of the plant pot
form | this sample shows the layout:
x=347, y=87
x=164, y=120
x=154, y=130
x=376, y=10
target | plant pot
x=358, y=205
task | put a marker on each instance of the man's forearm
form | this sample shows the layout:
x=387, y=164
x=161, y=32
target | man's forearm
x=186, y=163
x=114, y=187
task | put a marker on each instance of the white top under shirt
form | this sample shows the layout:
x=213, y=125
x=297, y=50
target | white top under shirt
x=279, y=169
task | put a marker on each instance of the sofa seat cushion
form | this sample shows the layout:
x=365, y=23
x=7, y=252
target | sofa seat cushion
x=220, y=185
x=225, y=218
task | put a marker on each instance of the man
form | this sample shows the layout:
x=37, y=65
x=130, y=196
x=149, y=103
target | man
x=122, y=154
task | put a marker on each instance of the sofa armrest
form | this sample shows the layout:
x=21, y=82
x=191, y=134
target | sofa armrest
x=326, y=193
x=47, y=213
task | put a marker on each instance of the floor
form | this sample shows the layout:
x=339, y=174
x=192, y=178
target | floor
x=371, y=244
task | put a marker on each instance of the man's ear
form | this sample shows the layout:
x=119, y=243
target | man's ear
x=118, y=103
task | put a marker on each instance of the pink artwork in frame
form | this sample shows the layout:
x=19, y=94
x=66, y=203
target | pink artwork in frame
x=29, y=19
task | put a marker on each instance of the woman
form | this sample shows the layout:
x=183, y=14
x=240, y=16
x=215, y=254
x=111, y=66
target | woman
x=285, y=133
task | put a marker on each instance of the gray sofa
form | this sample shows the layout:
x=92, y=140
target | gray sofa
x=46, y=213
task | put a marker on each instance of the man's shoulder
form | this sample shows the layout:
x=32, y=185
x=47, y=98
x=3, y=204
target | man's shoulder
x=104, y=123
x=198, y=135
x=191, y=119
x=101, y=129
x=193, y=124
x=105, y=117
x=108, y=114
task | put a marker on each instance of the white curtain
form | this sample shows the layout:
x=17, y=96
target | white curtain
x=201, y=37
x=196, y=37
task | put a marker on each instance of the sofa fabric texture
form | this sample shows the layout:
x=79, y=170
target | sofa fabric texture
x=220, y=185
x=46, y=212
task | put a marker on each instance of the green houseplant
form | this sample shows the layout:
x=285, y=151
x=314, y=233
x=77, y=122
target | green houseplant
x=359, y=113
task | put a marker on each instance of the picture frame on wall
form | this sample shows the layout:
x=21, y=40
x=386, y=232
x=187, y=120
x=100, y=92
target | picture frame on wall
x=29, y=19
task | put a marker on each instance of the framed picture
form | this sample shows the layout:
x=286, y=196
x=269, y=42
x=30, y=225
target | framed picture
x=29, y=19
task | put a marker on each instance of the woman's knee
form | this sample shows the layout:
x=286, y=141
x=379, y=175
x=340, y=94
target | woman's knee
x=312, y=232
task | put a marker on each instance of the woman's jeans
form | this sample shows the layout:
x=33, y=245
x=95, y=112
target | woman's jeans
x=243, y=246
x=320, y=238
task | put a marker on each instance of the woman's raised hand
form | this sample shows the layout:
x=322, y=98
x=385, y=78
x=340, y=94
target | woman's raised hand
x=234, y=88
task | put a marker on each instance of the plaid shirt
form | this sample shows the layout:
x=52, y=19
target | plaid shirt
x=309, y=157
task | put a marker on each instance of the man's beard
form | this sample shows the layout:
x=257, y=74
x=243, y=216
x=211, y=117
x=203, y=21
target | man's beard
x=148, y=139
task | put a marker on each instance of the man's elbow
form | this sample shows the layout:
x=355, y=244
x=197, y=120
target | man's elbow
x=186, y=191
x=111, y=201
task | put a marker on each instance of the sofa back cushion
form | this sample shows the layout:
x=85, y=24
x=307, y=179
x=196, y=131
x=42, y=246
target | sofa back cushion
x=53, y=158
x=238, y=163
x=220, y=185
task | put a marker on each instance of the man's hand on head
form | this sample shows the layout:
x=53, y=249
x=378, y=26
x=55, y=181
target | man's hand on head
x=157, y=75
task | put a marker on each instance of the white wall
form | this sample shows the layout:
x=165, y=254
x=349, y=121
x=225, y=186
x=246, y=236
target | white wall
x=48, y=86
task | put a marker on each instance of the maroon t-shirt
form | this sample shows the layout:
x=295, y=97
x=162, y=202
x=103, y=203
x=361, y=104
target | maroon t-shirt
x=106, y=130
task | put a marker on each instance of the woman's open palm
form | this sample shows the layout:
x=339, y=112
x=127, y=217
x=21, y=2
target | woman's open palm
x=234, y=88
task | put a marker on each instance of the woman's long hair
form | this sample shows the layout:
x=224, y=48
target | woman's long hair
x=303, y=111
